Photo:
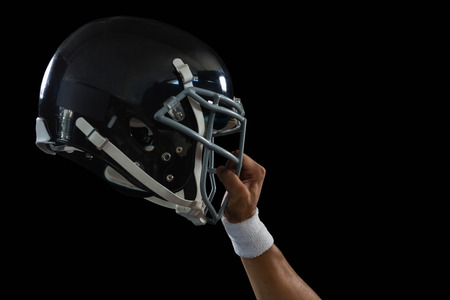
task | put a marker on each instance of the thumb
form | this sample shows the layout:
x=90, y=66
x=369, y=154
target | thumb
x=230, y=180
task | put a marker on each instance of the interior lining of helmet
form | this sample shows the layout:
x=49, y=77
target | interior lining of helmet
x=142, y=134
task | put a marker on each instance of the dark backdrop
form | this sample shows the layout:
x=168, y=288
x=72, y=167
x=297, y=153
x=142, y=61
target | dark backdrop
x=298, y=73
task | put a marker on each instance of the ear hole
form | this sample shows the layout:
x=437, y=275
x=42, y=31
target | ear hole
x=142, y=134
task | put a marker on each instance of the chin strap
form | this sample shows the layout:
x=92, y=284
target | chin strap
x=192, y=210
x=187, y=79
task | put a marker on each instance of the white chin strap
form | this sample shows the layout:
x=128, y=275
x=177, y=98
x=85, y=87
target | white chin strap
x=187, y=78
x=192, y=210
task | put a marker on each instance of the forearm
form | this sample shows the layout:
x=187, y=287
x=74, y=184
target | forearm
x=272, y=277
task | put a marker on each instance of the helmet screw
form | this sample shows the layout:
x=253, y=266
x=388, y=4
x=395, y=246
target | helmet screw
x=169, y=178
x=179, y=150
x=166, y=156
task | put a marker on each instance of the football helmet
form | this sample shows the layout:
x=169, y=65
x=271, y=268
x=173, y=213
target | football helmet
x=139, y=103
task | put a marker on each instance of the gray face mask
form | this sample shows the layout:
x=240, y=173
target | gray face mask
x=210, y=125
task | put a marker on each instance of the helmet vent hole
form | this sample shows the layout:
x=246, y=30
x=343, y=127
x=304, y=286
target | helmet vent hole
x=142, y=134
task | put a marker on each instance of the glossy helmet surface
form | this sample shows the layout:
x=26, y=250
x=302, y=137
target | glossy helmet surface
x=139, y=103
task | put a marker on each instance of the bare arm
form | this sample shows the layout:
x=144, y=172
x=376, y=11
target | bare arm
x=272, y=277
x=270, y=274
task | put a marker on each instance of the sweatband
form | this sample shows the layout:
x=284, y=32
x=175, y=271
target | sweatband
x=250, y=238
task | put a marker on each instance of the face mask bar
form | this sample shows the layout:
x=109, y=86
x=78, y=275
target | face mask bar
x=219, y=104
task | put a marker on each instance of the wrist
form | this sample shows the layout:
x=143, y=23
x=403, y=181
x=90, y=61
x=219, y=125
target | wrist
x=239, y=216
x=250, y=238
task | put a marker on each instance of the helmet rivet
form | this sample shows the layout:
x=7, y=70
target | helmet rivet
x=179, y=115
x=169, y=178
x=166, y=156
x=179, y=150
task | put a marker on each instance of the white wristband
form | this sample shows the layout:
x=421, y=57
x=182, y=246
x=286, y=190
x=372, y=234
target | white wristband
x=250, y=238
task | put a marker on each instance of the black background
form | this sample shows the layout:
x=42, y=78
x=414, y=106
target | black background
x=301, y=75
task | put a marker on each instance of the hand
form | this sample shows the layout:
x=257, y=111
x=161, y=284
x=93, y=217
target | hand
x=244, y=190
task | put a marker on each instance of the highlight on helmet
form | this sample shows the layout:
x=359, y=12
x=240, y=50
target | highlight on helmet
x=140, y=103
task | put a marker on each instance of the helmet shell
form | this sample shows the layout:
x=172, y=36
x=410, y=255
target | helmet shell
x=117, y=72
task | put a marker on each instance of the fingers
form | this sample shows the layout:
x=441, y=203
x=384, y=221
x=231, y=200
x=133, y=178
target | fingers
x=247, y=162
x=244, y=191
x=229, y=179
x=230, y=164
x=251, y=171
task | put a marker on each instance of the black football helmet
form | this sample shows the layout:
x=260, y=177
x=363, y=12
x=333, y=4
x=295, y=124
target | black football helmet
x=139, y=103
